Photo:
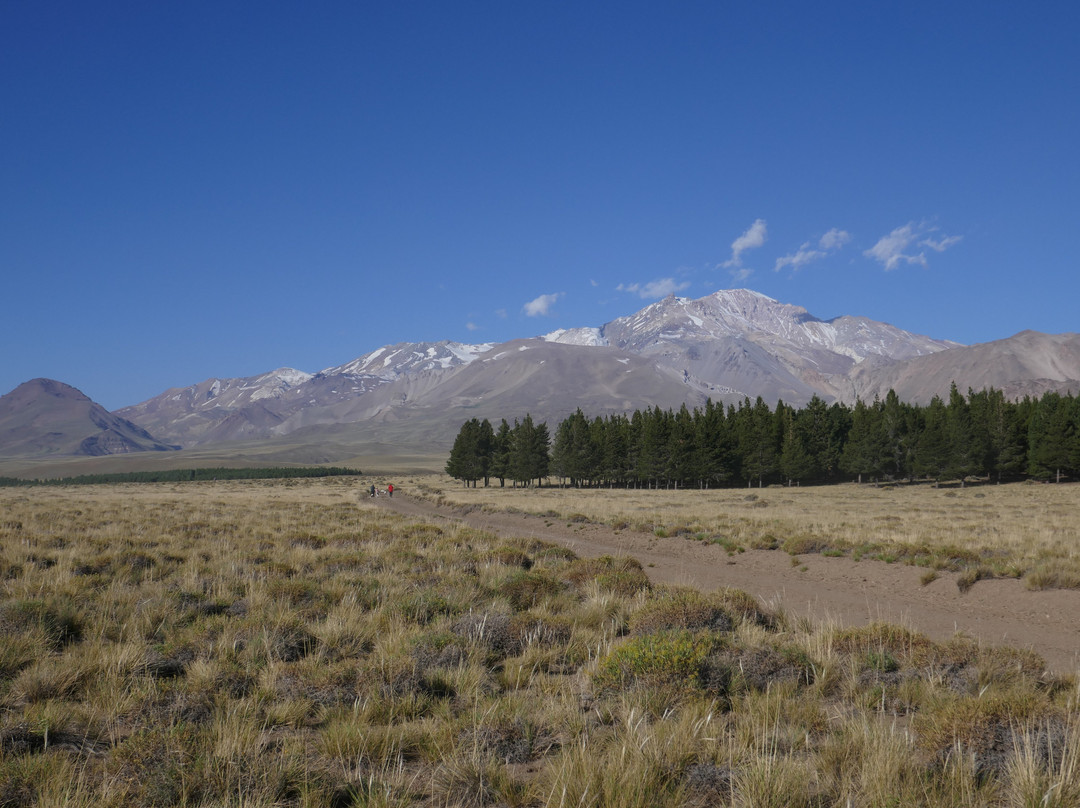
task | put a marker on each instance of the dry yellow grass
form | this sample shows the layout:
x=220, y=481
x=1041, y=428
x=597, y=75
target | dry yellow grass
x=1010, y=530
x=281, y=643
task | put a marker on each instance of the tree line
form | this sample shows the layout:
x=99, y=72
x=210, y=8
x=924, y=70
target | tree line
x=187, y=475
x=980, y=435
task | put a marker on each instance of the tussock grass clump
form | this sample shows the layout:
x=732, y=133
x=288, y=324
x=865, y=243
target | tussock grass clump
x=528, y=588
x=54, y=621
x=268, y=643
x=884, y=639
x=682, y=609
x=623, y=576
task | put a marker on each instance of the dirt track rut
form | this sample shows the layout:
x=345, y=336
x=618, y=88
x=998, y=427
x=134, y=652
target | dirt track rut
x=996, y=612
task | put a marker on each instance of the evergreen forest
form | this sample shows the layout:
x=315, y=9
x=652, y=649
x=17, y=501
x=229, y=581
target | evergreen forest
x=982, y=435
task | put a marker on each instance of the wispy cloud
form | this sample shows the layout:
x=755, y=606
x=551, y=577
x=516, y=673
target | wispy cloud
x=541, y=306
x=753, y=238
x=654, y=290
x=472, y=327
x=889, y=250
x=942, y=244
x=832, y=241
x=892, y=250
x=798, y=259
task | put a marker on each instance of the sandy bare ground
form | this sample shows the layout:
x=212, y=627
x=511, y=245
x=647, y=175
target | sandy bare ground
x=995, y=612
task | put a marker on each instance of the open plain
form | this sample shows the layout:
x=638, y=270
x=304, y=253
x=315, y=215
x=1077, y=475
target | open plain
x=269, y=643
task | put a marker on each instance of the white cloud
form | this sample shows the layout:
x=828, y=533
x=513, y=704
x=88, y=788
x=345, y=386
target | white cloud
x=798, y=259
x=892, y=250
x=654, y=290
x=472, y=327
x=834, y=239
x=889, y=250
x=541, y=305
x=753, y=238
x=940, y=245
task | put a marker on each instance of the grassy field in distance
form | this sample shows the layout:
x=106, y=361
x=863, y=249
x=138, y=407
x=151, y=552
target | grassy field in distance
x=269, y=643
x=1025, y=530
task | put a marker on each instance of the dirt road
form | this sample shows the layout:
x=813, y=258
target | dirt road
x=996, y=612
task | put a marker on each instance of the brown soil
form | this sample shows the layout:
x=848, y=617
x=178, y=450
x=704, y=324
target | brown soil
x=995, y=612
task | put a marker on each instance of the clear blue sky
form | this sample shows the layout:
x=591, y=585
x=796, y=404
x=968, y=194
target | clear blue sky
x=204, y=189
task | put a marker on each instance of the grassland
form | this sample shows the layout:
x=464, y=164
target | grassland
x=266, y=643
x=1023, y=530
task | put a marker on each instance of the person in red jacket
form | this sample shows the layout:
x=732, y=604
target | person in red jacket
x=390, y=489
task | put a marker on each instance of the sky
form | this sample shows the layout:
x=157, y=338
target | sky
x=218, y=189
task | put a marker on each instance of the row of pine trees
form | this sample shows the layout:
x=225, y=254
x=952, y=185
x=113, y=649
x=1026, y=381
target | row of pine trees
x=981, y=435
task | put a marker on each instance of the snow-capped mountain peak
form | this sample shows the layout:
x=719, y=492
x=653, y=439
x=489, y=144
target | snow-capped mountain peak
x=727, y=345
x=745, y=314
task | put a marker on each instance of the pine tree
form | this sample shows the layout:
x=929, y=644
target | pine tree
x=500, y=454
x=758, y=441
x=529, y=458
x=818, y=425
x=485, y=449
x=900, y=425
x=932, y=450
x=960, y=437
x=714, y=442
x=682, y=454
x=796, y=463
x=561, y=452
x=465, y=462
x=617, y=463
x=864, y=451
x=1051, y=434
x=653, y=446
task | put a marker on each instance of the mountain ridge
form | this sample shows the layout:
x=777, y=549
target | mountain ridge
x=727, y=346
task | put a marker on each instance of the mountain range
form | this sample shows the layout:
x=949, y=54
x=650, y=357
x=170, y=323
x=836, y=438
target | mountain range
x=730, y=345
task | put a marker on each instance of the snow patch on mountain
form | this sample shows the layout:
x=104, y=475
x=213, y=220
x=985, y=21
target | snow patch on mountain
x=393, y=361
x=576, y=336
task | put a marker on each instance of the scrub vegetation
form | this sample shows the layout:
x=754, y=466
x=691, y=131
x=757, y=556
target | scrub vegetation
x=1020, y=530
x=288, y=642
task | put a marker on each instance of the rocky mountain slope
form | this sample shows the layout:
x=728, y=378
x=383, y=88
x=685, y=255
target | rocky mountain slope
x=1027, y=364
x=46, y=417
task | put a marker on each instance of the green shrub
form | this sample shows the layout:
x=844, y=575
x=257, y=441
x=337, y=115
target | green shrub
x=664, y=660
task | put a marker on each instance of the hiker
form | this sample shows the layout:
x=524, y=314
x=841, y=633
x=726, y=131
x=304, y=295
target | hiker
x=390, y=490
x=373, y=490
